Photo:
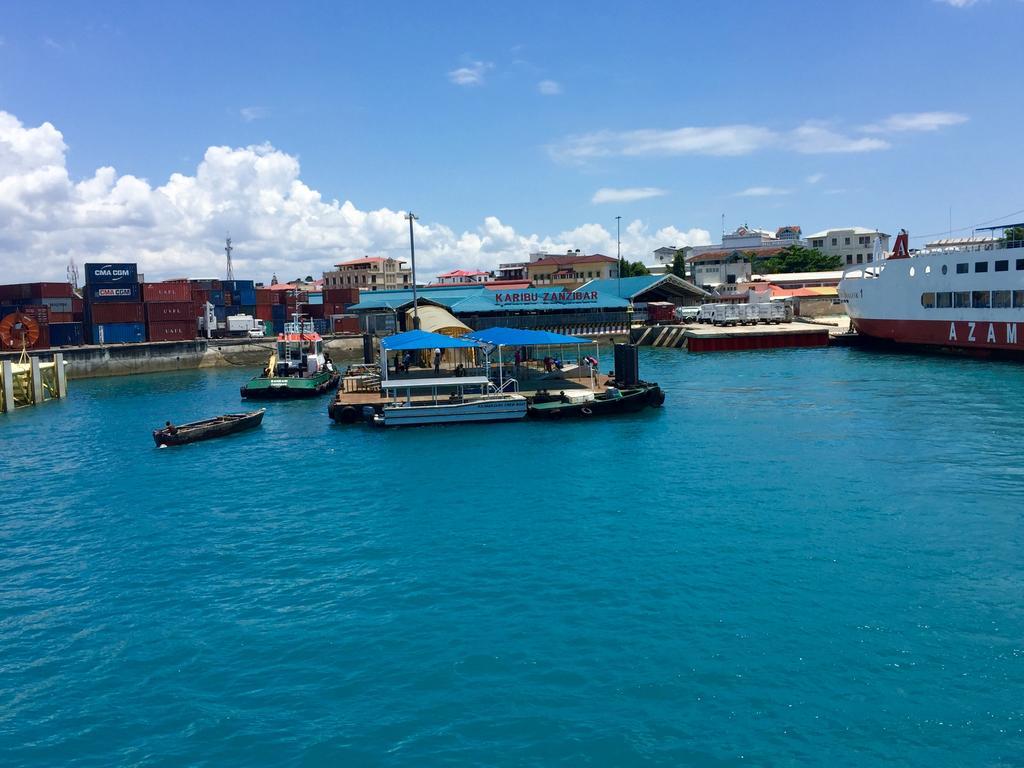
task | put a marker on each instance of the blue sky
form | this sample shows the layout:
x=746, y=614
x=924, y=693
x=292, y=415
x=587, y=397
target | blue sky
x=879, y=114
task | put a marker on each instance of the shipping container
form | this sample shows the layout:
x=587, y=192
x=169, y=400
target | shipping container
x=95, y=294
x=111, y=274
x=221, y=313
x=37, y=312
x=12, y=294
x=216, y=297
x=315, y=297
x=43, y=341
x=77, y=305
x=179, y=330
x=236, y=285
x=166, y=292
x=348, y=324
x=56, y=305
x=321, y=326
x=170, y=311
x=120, y=312
x=61, y=317
x=116, y=333
x=50, y=290
x=341, y=296
x=264, y=296
x=243, y=297
x=206, y=284
x=264, y=312
x=314, y=311
x=278, y=311
x=66, y=335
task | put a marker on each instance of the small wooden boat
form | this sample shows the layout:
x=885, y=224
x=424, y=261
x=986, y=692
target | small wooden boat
x=625, y=400
x=208, y=428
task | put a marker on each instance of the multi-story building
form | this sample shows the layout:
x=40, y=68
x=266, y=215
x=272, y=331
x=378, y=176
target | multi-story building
x=371, y=273
x=571, y=270
x=463, y=277
x=728, y=263
x=854, y=245
x=513, y=271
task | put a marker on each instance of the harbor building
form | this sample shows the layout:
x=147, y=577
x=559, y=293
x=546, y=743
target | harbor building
x=728, y=262
x=477, y=307
x=854, y=245
x=644, y=290
x=371, y=273
x=569, y=271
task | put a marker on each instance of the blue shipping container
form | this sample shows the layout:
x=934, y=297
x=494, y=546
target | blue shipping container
x=221, y=313
x=217, y=298
x=236, y=285
x=111, y=274
x=66, y=335
x=117, y=333
x=243, y=297
x=99, y=293
x=278, y=311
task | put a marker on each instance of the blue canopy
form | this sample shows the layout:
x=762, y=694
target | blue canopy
x=521, y=337
x=424, y=340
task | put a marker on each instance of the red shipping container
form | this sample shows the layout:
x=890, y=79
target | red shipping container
x=117, y=312
x=77, y=305
x=62, y=317
x=176, y=331
x=341, y=295
x=264, y=296
x=170, y=311
x=346, y=325
x=37, y=312
x=166, y=292
x=200, y=297
x=43, y=342
x=50, y=290
x=12, y=294
x=264, y=312
x=315, y=311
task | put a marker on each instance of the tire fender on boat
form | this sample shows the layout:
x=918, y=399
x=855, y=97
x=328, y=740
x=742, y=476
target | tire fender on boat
x=586, y=411
x=348, y=415
x=655, y=397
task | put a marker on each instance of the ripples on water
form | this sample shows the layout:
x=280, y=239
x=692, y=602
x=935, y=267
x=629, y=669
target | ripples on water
x=808, y=556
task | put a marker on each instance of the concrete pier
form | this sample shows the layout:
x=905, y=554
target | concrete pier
x=712, y=338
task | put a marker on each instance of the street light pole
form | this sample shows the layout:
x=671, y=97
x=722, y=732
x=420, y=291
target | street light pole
x=412, y=251
x=618, y=254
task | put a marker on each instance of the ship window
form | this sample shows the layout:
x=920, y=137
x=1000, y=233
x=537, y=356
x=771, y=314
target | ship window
x=962, y=269
x=1001, y=266
x=1018, y=299
x=1020, y=263
x=981, y=266
x=944, y=300
x=980, y=299
x=945, y=269
x=928, y=300
x=1001, y=299
x=962, y=299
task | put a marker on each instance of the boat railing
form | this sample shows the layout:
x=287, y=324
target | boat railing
x=509, y=385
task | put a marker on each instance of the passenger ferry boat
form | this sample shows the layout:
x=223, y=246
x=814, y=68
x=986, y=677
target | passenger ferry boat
x=297, y=368
x=462, y=405
x=968, y=298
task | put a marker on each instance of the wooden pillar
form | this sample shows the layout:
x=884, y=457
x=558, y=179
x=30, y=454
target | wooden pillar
x=62, y=380
x=37, y=382
x=7, y=375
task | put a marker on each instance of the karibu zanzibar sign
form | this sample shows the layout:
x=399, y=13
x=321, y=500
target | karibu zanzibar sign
x=537, y=296
x=111, y=273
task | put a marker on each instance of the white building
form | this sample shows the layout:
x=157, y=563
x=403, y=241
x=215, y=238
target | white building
x=728, y=262
x=854, y=245
x=463, y=277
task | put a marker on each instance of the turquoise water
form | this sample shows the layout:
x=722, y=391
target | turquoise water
x=806, y=557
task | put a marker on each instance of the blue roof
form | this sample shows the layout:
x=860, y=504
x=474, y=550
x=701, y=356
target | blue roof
x=634, y=286
x=423, y=340
x=519, y=337
x=391, y=300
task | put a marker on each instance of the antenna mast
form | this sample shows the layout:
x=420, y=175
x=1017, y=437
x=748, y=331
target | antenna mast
x=73, y=273
x=228, y=249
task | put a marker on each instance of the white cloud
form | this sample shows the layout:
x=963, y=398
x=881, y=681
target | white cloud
x=916, y=121
x=549, y=87
x=472, y=74
x=959, y=3
x=814, y=178
x=626, y=195
x=248, y=114
x=762, y=192
x=278, y=223
x=816, y=137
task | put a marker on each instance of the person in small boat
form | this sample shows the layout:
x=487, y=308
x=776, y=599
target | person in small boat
x=547, y=364
x=170, y=429
x=437, y=361
x=562, y=397
x=398, y=364
x=460, y=370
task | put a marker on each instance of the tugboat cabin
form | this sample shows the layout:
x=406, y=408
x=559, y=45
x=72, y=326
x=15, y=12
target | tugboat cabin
x=300, y=351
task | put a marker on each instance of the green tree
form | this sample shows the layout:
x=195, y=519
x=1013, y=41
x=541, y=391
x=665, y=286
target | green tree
x=632, y=268
x=1013, y=237
x=795, y=258
x=679, y=265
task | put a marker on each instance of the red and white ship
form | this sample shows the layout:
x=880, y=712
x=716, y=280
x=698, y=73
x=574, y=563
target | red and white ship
x=968, y=298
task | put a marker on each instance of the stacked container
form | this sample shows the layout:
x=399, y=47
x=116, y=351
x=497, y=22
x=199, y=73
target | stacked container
x=113, y=304
x=170, y=311
x=46, y=303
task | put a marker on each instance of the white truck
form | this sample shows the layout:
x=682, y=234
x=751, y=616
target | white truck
x=245, y=325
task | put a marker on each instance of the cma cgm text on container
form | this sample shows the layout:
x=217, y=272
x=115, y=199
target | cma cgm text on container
x=111, y=274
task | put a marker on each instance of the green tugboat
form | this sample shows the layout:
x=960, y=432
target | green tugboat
x=297, y=368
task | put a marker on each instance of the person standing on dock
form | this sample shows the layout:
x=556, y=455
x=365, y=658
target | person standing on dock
x=437, y=361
